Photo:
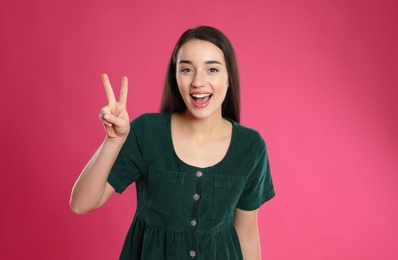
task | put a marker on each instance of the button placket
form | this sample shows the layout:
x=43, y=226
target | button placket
x=195, y=216
x=199, y=174
x=196, y=197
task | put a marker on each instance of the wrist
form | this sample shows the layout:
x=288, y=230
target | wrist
x=115, y=141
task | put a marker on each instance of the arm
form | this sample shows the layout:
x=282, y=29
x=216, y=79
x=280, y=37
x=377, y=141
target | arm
x=246, y=225
x=91, y=189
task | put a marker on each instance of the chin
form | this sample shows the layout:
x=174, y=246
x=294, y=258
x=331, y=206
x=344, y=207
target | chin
x=201, y=114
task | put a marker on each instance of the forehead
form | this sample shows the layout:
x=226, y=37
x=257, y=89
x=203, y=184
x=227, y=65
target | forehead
x=199, y=50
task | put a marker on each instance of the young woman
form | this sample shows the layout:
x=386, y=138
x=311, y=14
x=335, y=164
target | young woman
x=200, y=175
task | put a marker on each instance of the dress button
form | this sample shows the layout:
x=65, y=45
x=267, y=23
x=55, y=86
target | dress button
x=196, y=196
x=199, y=174
x=192, y=253
x=193, y=223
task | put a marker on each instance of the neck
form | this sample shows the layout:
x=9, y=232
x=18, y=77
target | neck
x=202, y=128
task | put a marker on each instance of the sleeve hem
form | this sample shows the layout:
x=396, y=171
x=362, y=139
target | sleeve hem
x=116, y=183
x=255, y=205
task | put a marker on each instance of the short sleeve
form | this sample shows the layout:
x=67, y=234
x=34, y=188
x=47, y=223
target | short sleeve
x=259, y=187
x=129, y=163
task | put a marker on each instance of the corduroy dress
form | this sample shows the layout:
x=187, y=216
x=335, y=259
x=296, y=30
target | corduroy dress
x=183, y=211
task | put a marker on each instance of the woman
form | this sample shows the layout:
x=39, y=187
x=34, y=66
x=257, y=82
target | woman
x=200, y=175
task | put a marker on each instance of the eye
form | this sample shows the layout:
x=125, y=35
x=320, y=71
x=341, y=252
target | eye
x=185, y=70
x=213, y=70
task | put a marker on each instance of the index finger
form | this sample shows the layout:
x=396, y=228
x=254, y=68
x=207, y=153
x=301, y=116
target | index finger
x=108, y=88
x=124, y=91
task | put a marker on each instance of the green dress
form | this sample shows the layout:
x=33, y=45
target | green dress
x=187, y=212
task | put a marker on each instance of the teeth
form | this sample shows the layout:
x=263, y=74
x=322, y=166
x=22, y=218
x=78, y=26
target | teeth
x=200, y=95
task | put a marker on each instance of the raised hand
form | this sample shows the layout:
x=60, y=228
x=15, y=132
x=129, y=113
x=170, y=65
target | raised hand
x=114, y=116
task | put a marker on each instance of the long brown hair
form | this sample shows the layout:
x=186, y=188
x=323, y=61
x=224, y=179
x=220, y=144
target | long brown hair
x=172, y=101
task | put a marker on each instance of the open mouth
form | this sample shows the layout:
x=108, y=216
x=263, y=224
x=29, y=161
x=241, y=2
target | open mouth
x=201, y=99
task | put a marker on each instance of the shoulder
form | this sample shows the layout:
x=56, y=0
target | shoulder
x=147, y=124
x=249, y=136
x=150, y=119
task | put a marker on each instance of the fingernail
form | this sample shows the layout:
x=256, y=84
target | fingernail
x=107, y=117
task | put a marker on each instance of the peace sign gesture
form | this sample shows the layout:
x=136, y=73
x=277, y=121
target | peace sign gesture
x=114, y=116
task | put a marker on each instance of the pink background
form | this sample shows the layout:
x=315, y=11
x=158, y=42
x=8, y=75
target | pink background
x=319, y=81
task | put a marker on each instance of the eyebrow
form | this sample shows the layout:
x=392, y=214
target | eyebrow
x=206, y=62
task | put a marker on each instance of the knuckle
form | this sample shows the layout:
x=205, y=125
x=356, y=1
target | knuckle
x=105, y=109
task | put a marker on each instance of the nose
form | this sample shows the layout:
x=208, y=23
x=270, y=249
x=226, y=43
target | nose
x=199, y=80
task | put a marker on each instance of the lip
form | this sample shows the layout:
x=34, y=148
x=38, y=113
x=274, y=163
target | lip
x=199, y=104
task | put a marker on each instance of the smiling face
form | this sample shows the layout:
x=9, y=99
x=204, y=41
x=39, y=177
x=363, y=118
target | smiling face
x=202, y=78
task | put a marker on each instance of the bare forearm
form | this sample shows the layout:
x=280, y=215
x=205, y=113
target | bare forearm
x=251, y=249
x=91, y=184
x=246, y=225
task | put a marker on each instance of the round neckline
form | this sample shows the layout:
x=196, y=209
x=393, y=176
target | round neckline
x=206, y=167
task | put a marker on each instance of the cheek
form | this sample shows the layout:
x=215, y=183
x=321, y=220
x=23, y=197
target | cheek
x=182, y=87
x=180, y=82
x=220, y=80
x=225, y=80
x=183, y=81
